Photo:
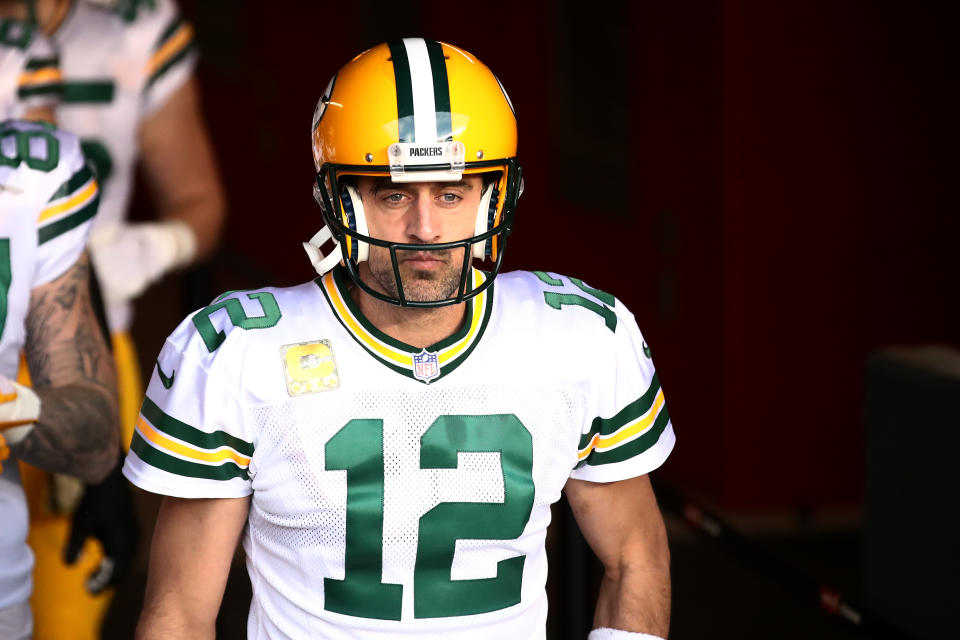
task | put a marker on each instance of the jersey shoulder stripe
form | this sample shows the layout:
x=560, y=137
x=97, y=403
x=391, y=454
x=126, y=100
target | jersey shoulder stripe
x=72, y=204
x=174, y=44
x=172, y=464
x=28, y=58
x=40, y=77
x=41, y=63
x=633, y=430
x=71, y=186
x=174, y=446
x=193, y=436
x=41, y=70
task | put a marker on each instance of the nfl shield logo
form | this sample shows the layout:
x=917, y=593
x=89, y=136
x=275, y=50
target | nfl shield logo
x=426, y=366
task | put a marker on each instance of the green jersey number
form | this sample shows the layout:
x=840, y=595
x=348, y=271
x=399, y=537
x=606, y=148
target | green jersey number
x=24, y=151
x=358, y=449
x=213, y=338
x=558, y=300
x=16, y=34
x=127, y=9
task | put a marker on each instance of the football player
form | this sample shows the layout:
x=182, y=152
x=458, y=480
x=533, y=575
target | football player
x=389, y=437
x=130, y=94
x=30, y=75
x=67, y=423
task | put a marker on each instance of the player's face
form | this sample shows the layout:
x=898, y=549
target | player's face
x=419, y=213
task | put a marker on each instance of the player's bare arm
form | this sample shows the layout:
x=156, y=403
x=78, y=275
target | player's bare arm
x=193, y=545
x=623, y=525
x=176, y=152
x=73, y=375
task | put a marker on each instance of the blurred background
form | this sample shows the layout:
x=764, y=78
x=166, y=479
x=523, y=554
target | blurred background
x=771, y=188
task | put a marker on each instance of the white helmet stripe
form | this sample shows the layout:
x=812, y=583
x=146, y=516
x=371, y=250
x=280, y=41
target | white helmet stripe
x=421, y=80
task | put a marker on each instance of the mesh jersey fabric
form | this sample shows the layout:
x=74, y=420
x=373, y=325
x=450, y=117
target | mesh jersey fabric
x=398, y=491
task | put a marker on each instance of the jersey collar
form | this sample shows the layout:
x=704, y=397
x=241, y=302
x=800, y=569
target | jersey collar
x=451, y=352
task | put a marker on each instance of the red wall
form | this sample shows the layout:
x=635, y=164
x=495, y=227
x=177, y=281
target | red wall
x=837, y=230
x=788, y=196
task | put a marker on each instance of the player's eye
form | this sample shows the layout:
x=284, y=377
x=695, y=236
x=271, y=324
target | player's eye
x=393, y=197
x=450, y=198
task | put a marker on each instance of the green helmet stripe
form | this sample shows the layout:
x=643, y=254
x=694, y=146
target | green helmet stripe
x=441, y=90
x=401, y=73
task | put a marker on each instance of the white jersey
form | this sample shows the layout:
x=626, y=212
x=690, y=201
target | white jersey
x=29, y=69
x=119, y=67
x=400, y=492
x=48, y=198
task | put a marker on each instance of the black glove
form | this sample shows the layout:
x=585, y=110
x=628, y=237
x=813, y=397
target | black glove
x=106, y=513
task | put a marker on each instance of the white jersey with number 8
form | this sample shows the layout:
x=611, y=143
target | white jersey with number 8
x=48, y=198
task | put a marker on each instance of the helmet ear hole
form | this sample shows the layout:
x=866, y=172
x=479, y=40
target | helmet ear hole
x=355, y=220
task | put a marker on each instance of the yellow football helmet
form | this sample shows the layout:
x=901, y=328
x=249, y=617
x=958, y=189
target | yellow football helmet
x=417, y=111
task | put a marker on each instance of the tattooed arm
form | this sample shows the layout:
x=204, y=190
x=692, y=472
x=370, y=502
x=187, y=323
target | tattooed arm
x=73, y=374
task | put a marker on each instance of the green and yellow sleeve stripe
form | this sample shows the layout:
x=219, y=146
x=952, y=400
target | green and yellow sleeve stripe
x=72, y=204
x=40, y=77
x=173, y=446
x=174, y=44
x=634, y=429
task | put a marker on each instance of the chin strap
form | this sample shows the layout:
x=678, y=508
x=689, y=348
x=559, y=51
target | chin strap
x=323, y=263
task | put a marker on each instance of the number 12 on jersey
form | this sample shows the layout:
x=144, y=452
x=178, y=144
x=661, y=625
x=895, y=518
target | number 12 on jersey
x=358, y=449
x=558, y=300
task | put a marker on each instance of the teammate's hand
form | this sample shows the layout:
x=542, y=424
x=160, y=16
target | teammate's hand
x=130, y=257
x=19, y=411
x=106, y=513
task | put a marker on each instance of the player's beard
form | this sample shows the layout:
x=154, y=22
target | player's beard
x=419, y=285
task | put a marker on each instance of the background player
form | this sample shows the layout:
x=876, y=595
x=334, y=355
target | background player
x=67, y=423
x=129, y=93
x=30, y=78
x=390, y=437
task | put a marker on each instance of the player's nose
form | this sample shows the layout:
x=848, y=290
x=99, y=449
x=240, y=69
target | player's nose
x=423, y=221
